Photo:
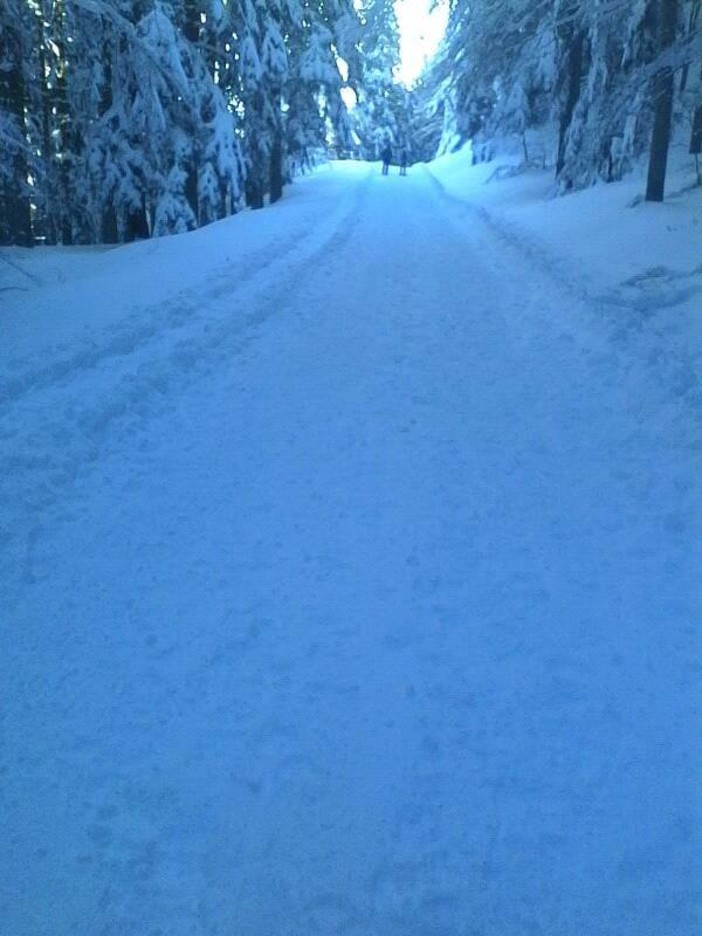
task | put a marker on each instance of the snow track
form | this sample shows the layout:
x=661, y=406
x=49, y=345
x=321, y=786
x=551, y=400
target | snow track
x=56, y=416
x=353, y=594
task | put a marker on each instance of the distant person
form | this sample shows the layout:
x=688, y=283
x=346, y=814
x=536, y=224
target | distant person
x=403, y=162
x=386, y=156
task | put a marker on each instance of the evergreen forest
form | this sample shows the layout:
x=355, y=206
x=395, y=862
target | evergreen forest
x=124, y=119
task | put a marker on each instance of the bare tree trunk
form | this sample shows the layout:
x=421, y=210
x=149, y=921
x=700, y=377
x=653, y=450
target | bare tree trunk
x=65, y=156
x=575, y=55
x=276, y=190
x=15, y=212
x=255, y=191
x=664, y=91
x=258, y=170
x=191, y=31
x=276, y=157
x=696, y=136
x=44, y=227
x=696, y=140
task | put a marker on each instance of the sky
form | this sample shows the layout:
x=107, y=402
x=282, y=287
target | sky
x=421, y=32
x=420, y=35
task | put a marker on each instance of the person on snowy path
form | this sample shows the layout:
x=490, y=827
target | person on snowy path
x=386, y=156
x=403, y=161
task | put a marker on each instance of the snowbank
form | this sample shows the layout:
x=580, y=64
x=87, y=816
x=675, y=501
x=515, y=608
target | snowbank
x=606, y=241
x=55, y=299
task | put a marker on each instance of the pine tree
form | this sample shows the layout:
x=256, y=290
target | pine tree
x=128, y=118
x=381, y=116
x=510, y=65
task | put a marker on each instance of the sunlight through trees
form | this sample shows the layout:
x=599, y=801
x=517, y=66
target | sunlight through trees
x=122, y=119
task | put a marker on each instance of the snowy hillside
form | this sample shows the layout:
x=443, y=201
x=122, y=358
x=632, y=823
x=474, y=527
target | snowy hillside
x=350, y=568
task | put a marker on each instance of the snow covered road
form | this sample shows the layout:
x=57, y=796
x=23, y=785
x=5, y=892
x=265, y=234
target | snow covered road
x=353, y=594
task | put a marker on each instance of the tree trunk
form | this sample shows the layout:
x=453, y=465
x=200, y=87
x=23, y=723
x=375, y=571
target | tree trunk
x=44, y=228
x=191, y=26
x=696, y=136
x=664, y=90
x=15, y=212
x=696, y=140
x=110, y=231
x=191, y=31
x=691, y=28
x=65, y=157
x=137, y=226
x=258, y=170
x=255, y=191
x=576, y=50
x=276, y=170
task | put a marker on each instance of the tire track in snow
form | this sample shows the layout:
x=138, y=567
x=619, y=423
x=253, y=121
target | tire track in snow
x=133, y=332
x=57, y=420
x=635, y=337
x=546, y=264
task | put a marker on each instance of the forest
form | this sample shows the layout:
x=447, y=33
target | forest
x=125, y=119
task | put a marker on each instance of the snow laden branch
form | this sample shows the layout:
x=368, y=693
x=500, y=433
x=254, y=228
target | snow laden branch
x=577, y=81
x=120, y=120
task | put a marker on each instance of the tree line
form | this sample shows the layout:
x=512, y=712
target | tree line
x=609, y=75
x=131, y=118
x=122, y=119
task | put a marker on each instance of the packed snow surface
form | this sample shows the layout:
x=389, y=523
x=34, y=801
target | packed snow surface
x=350, y=583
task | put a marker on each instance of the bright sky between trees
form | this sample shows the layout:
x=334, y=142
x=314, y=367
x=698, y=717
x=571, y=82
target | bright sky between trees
x=422, y=25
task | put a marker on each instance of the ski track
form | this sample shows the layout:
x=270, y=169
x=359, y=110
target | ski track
x=355, y=596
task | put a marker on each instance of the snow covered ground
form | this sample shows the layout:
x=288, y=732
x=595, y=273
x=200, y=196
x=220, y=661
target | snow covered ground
x=350, y=570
